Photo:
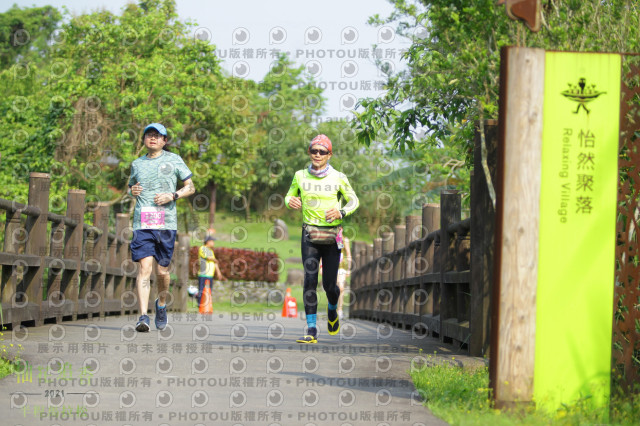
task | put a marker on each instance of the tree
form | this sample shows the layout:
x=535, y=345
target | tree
x=451, y=80
x=80, y=115
x=25, y=33
x=276, y=130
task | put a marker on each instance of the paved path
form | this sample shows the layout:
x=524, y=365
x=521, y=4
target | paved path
x=230, y=369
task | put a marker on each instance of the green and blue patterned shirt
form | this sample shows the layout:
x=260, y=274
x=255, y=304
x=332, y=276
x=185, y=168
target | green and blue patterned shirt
x=157, y=175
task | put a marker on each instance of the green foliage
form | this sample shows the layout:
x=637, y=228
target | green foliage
x=81, y=115
x=462, y=397
x=24, y=33
x=9, y=353
x=269, y=143
x=457, y=389
x=77, y=111
x=453, y=62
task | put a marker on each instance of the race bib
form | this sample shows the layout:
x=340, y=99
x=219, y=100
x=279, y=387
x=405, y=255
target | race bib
x=152, y=217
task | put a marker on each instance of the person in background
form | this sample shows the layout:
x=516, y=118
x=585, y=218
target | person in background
x=208, y=266
x=325, y=197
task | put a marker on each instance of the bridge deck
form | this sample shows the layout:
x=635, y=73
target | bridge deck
x=225, y=368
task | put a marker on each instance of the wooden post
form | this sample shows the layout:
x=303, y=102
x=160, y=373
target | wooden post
x=387, y=249
x=365, y=277
x=100, y=221
x=369, y=259
x=55, y=299
x=12, y=229
x=356, y=257
x=119, y=285
x=182, y=282
x=450, y=202
x=513, y=314
x=362, y=249
x=85, y=276
x=482, y=241
x=430, y=223
x=357, y=281
x=462, y=256
x=355, y=261
x=413, y=229
x=425, y=264
x=377, y=255
x=73, y=248
x=413, y=232
x=398, y=243
x=111, y=303
x=398, y=267
x=437, y=286
x=39, y=184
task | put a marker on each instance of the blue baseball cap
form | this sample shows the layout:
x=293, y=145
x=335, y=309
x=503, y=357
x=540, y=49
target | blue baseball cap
x=159, y=127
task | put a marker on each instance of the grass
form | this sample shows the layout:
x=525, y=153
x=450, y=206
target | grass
x=461, y=397
x=9, y=354
x=7, y=365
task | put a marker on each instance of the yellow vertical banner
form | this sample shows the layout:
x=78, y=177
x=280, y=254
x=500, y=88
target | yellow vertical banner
x=577, y=228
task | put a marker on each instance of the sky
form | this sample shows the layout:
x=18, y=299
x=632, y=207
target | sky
x=331, y=39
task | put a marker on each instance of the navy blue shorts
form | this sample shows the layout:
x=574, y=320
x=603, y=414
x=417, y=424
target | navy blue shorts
x=158, y=243
x=201, y=283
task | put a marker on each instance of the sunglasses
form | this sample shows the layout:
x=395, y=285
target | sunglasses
x=153, y=135
x=318, y=151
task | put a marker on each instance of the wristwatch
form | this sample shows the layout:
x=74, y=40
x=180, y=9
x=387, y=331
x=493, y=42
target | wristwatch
x=343, y=214
x=175, y=196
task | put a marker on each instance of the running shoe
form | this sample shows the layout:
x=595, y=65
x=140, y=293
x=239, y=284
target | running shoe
x=307, y=338
x=333, y=327
x=143, y=324
x=161, y=316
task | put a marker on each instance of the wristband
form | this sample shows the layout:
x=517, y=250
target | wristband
x=175, y=196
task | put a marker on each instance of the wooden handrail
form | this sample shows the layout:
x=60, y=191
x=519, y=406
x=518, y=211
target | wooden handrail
x=15, y=207
x=437, y=280
x=99, y=276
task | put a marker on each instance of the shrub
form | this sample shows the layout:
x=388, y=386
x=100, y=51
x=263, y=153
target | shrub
x=240, y=264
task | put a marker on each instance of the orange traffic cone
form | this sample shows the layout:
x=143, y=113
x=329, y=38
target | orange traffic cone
x=206, y=304
x=290, y=306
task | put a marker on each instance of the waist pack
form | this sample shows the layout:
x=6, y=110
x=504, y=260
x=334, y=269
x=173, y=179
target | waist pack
x=322, y=234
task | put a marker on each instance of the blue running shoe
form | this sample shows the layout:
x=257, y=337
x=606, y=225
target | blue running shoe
x=143, y=324
x=161, y=317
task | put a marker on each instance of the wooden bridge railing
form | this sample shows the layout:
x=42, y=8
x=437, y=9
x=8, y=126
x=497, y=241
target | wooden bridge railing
x=57, y=268
x=434, y=273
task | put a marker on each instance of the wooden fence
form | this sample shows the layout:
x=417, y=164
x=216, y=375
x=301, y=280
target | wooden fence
x=57, y=268
x=429, y=275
